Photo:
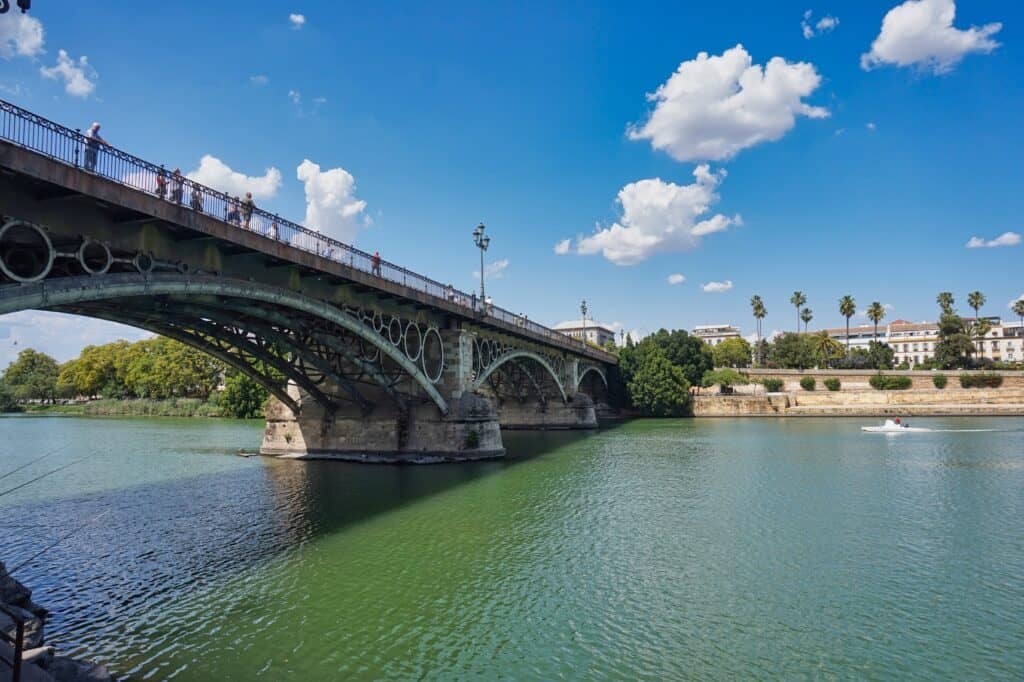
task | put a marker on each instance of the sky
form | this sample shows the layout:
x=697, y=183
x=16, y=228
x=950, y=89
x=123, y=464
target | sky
x=663, y=161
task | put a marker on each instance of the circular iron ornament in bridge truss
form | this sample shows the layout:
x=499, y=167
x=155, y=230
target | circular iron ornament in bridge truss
x=378, y=323
x=395, y=331
x=413, y=352
x=369, y=351
x=143, y=262
x=26, y=253
x=432, y=355
x=94, y=257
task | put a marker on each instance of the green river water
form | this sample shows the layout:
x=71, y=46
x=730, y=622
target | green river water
x=677, y=549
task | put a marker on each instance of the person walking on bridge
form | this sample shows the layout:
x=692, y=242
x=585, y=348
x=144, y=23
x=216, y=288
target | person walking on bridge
x=197, y=199
x=92, y=146
x=176, y=186
x=247, y=208
x=375, y=263
x=161, y=184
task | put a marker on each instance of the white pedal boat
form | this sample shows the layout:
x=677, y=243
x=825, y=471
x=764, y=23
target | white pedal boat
x=893, y=427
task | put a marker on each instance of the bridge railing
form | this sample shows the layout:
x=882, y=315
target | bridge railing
x=31, y=131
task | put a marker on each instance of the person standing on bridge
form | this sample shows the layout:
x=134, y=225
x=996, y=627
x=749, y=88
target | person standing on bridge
x=375, y=263
x=161, y=185
x=197, y=199
x=247, y=208
x=176, y=186
x=92, y=146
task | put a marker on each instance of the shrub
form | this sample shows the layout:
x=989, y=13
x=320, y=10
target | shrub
x=772, y=385
x=832, y=384
x=890, y=383
x=808, y=383
x=940, y=380
x=983, y=380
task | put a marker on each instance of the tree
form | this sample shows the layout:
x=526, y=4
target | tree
x=876, y=312
x=757, y=307
x=659, y=388
x=826, y=348
x=1018, y=310
x=976, y=300
x=8, y=403
x=96, y=370
x=798, y=299
x=847, y=308
x=793, y=351
x=689, y=353
x=806, y=315
x=163, y=368
x=955, y=345
x=734, y=352
x=945, y=301
x=724, y=378
x=242, y=397
x=32, y=376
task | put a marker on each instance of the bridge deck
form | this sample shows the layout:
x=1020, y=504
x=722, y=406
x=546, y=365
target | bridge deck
x=56, y=159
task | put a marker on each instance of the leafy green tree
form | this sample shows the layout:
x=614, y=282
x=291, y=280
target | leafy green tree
x=798, y=299
x=32, y=376
x=806, y=315
x=793, y=351
x=242, y=397
x=945, y=301
x=659, y=388
x=876, y=312
x=724, y=378
x=847, y=308
x=8, y=402
x=97, y=370
x=163, y=368
x=759, y=311
x=687, y=352
x=734, y=352
x=955, y=346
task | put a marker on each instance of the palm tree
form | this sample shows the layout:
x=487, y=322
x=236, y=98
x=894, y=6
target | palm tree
x=976, y=299
x=826, y=346
x=806, y=315
x=757, y=306
x=1018, y=309
x=945, y=301
x=847, y=308
x=798, y=299
x=875, y=313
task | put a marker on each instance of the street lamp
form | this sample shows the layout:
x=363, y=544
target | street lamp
x=482, y=242
x=583, y=310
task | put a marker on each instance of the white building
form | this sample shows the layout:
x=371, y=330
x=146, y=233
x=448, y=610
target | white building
x=714, y=334
x=861, y=336
x=914, y=342
x=595, y=332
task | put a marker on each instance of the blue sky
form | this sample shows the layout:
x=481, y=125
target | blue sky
x=836, y=173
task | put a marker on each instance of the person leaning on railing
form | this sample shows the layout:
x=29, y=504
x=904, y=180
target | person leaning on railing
x=197, y=199
x=92, y=146
x=176, y=186
x=247, y=208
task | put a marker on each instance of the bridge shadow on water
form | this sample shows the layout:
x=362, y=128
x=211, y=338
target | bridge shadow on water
x=156, y=544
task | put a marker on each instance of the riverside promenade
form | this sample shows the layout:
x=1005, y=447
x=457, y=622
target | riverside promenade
x=856, y=397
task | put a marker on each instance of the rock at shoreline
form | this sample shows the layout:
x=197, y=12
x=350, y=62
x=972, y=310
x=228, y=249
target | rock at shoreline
x=40, y=662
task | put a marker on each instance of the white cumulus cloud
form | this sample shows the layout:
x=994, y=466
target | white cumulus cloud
x=21, y=35
x=75, y=74
x=214, y=173
x=810, y=29
x=331, y=205
x=716, y=287
x=921, y=33
x=563, y=247
x=259, y=79
x=295, y=96
x=297, y=20
x=713, y=107
x=676, y=278
x=1005, y=239
x=659, y=217
x=495, y=270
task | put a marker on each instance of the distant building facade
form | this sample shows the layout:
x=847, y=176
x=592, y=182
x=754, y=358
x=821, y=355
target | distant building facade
x=861, y=336
x=593, y=332
x=714, y=334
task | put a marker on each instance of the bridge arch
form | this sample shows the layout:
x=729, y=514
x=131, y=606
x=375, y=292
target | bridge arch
x=77, y=290
x=596, y=370
x=516, y=355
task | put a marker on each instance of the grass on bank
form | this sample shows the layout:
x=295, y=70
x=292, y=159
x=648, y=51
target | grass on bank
x=135, y=407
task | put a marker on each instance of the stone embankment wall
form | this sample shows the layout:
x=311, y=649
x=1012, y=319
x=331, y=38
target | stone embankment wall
x=856, y=379
x=857, y=398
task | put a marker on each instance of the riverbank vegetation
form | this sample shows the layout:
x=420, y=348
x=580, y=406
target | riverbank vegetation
x=657, y=373
x=153, y=377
